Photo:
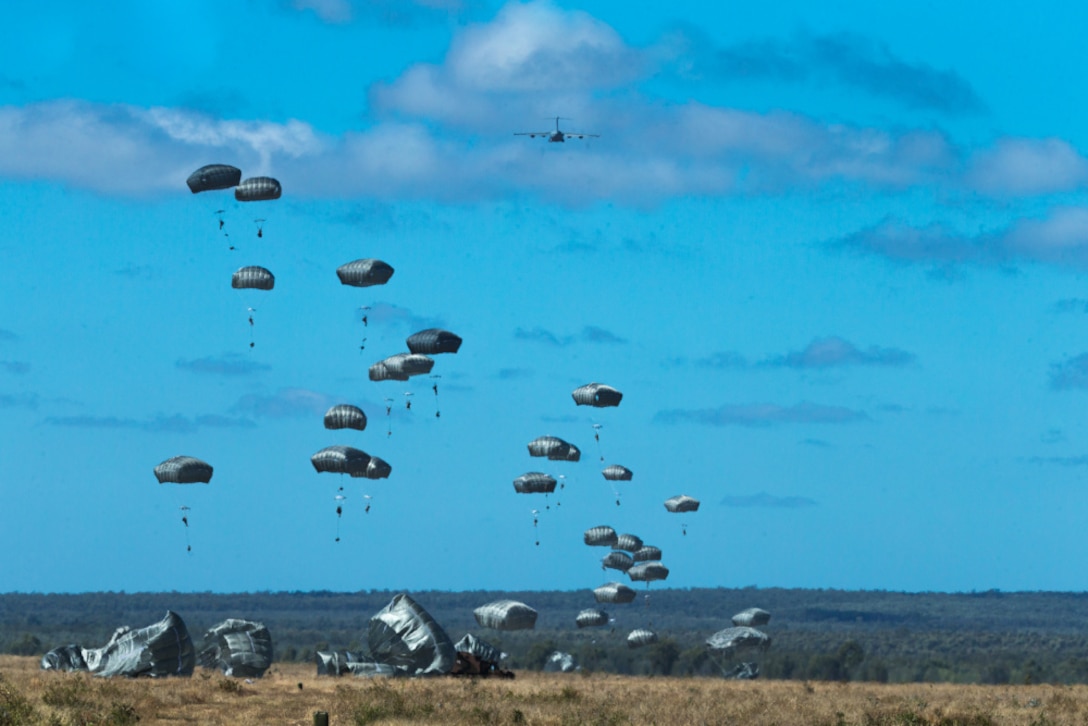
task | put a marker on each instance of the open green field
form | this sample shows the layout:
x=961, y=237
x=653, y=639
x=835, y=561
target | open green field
x=30, y=696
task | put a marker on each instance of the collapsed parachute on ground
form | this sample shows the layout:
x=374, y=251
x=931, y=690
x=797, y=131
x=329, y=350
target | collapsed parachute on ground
x=214, y=176
x=591, y=618
x=614, y=592
x=364, y=273
x=725, y=643
x=433, y=341
x=405, y=636
x=241, y=648
x=183, y=470
x=752, y=618
x=596, y=394
x=617, y=560
x=505, y=615
x=345, y=416
x=746, y=671
x=161, y=649
x=615, y=472
x=258, y=189
x=647, y=553
x=252, y=278
x=534, y=482
x=682, y=503
x=64, y=658
x=332, y=663
x=341, y=460
x=560, y=662
x=640, y=637
x=648, y=572
x=628, y=543
x=401, y=367
x=600, y=536
x=479, y=648
x=554, y=448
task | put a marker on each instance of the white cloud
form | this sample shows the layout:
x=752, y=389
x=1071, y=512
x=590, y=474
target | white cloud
x=1019, y=167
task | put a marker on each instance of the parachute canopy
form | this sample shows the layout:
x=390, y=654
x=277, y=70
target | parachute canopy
x=614, y=592
x=682, y=503
x=591, y=618
x=560, y=662
x=600, y=536
x=596, y=394
x=405, y=636
x=628, y=542
x=214, y=176
x=345, y=416
x=554, y=448
x=64, y=658
x=534, y=482
x=375, y=469
x=752, y=617
x=341, y=460
x=364, y=273
x=258, y=189
x=401, y=367
x=253, y=278
x=647, y=553
x=505, y=615
x=648, y=572
x=640, y=637
x=617, y=560
x=183, y=470
x=616, y=472
x=433, y=341
x=731, y=640
x=479, y=648
x=238, y=647
x=161, y=649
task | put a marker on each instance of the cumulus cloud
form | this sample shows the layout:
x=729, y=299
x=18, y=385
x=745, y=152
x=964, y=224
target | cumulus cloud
x=1070, y=373
x=173, y=424
x=284, y=403
x=720, y=360
x=390, y=12
x=228, y=364
x=834, y=351
x=389, y=314
x=762, y=414
x=588, y=334
x=763, y=499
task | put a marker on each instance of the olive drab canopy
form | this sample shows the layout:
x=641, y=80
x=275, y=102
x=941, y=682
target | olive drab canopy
x=345, y=416
x=647, y=553
x=433, y=341
x=617, y=560
x=258, y=189
x=614, y=592
x=404, y=635
x=534, y=482
x=752, y=618
x=554, y=449
x=183, y=470
x=640, y=637
x=505, y=615
x=214, y=176
x=596, y=394
x=601, y=536
x=648, y=572
x=591, y=618
x=628, y=542
x=237, y=647
x=682, y=503
x=341, y=460
x=364, y=273
x=252, y=278
x=615, y=472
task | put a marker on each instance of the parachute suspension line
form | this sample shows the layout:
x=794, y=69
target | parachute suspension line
x=363, y=311
x=339, y=498
x=536, y=532
x=250, y=311
x=597, y=438
x=260, y=227
x=434, y=387
x=562, y=485
x=684, y=530
x=185, y=520
x=388, y=417
x=408, y=400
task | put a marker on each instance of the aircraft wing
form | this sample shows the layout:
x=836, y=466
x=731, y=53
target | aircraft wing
x=534, y=133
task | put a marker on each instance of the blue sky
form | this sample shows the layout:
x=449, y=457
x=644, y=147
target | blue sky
x=833, y=257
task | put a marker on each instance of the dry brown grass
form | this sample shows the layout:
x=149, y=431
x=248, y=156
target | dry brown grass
x=533, y=698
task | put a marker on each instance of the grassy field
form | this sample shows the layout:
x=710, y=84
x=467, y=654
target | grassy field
x=30, y=696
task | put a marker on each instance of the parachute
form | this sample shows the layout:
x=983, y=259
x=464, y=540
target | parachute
x=345, y=416
x=534, y=482
x=752, y=617
x=648, y=572
x=364, y=273
x=617, y=560
x=479, y=648
x=161, y=649
x=596, y=394
x=375, y=469
x=64, y=658
x=600, y=536
x=615, y=472
x=258, y=189
x=682, y=503
x=183, y=470
x=554, y=448
x=341, y=460
x=401, y=367
x=241, y=648
x=628, y=542
x=433, y=341
x=505, y=615
x=252, y=278
x=591, y=618
x=214, y=176
x=405, y=636
x=614, y=592
x=640, y=637
x=560, y=662
x=727, y=642
x=647, y=553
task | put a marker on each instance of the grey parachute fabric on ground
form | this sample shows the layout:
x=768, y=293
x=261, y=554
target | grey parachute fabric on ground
x=162, y=649
x=743, y=671
x=364, y=273
x=345, y=416
x=214, y=176
x=752, y=617
x=560, y=662
x=628, y=542
x=534, y=482
x=258, y=189
x=614, y=592
x=596, y=394
x=600, y=536
x=183, y=470
x=617, y=560
x=64, y=658
x=648, y=572
x=640, y=637
x=479, y=648
x=615, y=472
x=591, y=618
x=331, y=663
x=252, y=278
x=554, y=448
x=505, y=615
x=682, y=503
x=241, y=648
x=341, y=460
x=401, y=367
x=647, y=553
x=726, y=643
x=433, y=341
x=404, y=635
